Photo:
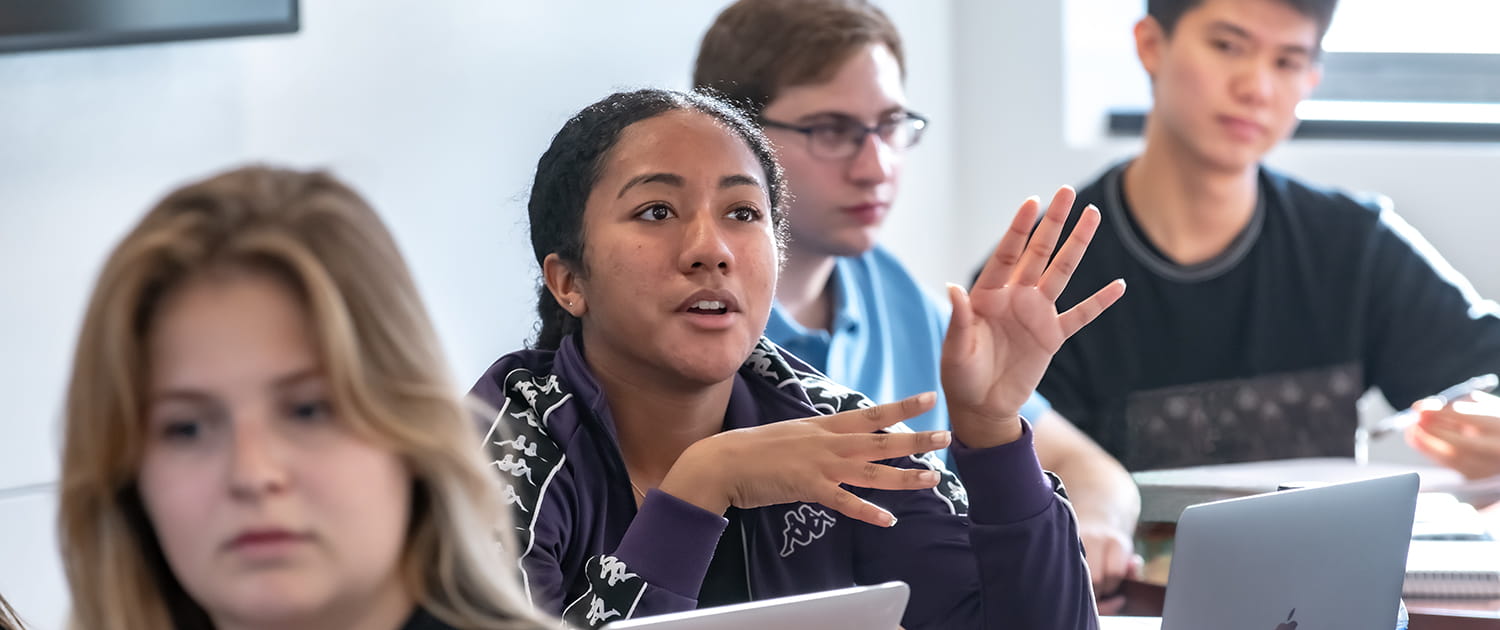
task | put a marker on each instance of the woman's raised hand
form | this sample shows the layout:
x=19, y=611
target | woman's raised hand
x=1005, y=332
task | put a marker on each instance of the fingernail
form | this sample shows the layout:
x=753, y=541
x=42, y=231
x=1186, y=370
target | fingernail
x=928, y=476
x=892, y=522
x=926, y=398
x=941, y=438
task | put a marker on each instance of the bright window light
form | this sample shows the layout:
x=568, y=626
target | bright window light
x=1412, y=26
x=1374, y=111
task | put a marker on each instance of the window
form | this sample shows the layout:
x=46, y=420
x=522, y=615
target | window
x=1398, y=68
x=1404, y=26
x=1393, y=69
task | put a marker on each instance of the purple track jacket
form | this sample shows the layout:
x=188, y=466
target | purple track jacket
x=1004, y=553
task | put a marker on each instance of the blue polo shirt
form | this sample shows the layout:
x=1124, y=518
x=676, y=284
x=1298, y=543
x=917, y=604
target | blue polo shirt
x=887, y=338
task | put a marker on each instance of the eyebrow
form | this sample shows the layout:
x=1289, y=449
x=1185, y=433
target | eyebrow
x=183, y=395
x=669, y=179
x=1231, y=28
x=310, y=373
x=730, y=181
x=1237, y=31
x=883, y=114
x=673, y=179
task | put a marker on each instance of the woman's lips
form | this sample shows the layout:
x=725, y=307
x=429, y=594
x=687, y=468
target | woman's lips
x=710, y=309
x=262, y=542
x=866, y=213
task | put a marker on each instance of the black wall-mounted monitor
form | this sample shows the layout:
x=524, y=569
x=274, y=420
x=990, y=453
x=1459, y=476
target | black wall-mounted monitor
x=49, y=24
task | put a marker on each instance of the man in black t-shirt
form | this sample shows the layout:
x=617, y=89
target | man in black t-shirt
x=1259, y=308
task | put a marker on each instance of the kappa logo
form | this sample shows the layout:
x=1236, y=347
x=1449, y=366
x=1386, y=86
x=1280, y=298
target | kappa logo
x=530, y=417
x=804, y=525
x=831, y=398
x=957, y=493
x=530, y=390
x=598, y=613
x=516, y=467
x=612, y=570
x=760, y=363
x=512, y=498
x=520, y=444
x=769, y=365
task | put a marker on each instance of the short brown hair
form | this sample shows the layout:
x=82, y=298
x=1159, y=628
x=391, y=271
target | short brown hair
x=757, y=47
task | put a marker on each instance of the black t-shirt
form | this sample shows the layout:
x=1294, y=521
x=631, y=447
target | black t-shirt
x=1261, y=352
x=422, y=620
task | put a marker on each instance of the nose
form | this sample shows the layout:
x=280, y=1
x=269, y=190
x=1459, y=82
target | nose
x=703, y=245
x=873, y=163
x=256, y=467
x=1255, y=82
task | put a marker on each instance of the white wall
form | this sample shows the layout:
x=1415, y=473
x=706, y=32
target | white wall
x=436, y=111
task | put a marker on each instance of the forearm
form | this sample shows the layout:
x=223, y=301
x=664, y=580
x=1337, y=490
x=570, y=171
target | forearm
x=1100, y=489
x=1102, y=492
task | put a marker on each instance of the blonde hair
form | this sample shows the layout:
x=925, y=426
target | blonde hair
x=8, y=618
x=381, y=358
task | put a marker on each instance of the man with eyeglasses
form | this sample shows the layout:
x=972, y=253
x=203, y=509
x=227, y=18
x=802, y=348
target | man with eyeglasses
x=825, y=80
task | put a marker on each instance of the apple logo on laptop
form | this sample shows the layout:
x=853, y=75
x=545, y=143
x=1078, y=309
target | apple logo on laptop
x=1289, y=625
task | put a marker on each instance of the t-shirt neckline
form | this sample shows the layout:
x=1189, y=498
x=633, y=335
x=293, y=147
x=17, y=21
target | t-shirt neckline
x=1147, y=254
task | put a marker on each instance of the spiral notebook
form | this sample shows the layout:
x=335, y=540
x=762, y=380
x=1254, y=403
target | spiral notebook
x=1452, y=569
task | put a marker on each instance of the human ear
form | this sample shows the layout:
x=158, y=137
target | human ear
x=1311, y=80
x=1149, y=39
x=565, y=284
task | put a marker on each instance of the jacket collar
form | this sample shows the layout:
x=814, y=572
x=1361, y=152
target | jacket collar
x=769, y=386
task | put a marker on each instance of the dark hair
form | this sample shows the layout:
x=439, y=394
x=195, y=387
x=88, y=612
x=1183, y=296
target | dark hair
x=571, y=167
x=1168, y=12
x=757, y=47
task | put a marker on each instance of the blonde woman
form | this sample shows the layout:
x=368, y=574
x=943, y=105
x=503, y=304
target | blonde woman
x=261, y=432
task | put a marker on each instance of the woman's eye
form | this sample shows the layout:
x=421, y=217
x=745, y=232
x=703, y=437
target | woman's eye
x=310, y=411
x=181, y=430
x=745, y=213
x=655, y=212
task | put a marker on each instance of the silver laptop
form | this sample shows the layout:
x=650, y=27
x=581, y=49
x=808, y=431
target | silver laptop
x=876, y=607
x=1321, y=558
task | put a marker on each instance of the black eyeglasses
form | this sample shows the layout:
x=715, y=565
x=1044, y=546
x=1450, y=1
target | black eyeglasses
x=842, y=136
